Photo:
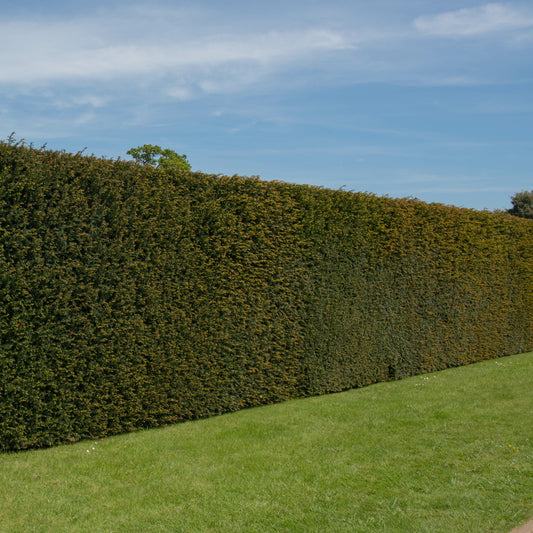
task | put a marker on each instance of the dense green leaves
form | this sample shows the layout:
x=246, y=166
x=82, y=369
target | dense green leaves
x=132, y=296
x=522, y=204
x=156, y=156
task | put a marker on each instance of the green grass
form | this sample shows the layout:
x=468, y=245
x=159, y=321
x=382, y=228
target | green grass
x=444, y=452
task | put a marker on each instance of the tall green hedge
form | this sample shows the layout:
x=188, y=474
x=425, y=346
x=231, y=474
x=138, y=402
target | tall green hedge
x=133, y=297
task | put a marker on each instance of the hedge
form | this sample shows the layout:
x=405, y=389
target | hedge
x=133, y=297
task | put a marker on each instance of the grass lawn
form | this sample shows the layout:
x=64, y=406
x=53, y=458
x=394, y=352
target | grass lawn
x=444, y=452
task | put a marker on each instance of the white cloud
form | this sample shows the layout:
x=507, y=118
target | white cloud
x=32, y=52
x=85, y=118
x=474, y=21
x=87, y=100
x=180, y=93
x=180, y=54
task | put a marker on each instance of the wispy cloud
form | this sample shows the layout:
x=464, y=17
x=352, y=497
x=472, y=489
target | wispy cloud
x=474, y=21
x=88, y=100
x=32, y=52
x=184, y=53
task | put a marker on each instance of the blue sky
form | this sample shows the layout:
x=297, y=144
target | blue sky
x=430, y=99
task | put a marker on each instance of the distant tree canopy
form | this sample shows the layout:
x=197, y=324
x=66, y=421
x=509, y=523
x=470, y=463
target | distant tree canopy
x=155, y=156
x=522, y=204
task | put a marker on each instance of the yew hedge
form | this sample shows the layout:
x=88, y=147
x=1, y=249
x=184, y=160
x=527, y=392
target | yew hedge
x=133, y=297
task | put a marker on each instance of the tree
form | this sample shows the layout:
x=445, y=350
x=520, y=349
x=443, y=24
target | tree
x=155, y=156
x=522, y=204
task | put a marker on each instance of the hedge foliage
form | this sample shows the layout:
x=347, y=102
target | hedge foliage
x=132, y=297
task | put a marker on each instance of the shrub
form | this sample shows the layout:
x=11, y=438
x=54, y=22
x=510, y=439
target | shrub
x=132, y=296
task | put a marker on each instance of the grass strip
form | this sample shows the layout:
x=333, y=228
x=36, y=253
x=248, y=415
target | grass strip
x=445, y=452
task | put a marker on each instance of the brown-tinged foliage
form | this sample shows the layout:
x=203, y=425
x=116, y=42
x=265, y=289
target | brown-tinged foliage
x=132, y=297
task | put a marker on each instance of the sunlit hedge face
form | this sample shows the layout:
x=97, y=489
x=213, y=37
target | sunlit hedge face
x=132, y=296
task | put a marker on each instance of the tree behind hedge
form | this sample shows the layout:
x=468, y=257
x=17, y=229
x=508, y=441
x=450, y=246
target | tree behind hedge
x=522, y=204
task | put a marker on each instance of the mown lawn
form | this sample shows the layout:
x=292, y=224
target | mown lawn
x=444, y=452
